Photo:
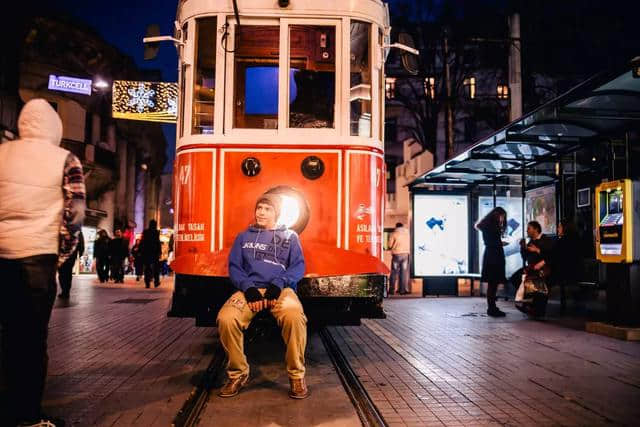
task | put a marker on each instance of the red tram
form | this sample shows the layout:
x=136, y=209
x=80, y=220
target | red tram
x=283, y=97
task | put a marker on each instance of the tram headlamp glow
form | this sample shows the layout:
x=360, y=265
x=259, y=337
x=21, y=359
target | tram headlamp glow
x=289, y=211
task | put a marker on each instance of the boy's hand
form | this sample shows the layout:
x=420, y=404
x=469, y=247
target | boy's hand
x=257, y=305
x=254, y=299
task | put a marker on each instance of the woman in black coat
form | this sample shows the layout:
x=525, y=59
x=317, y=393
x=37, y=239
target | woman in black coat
x=492, y=227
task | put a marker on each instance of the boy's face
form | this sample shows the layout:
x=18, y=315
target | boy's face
x=532, y=233
x=266, y=216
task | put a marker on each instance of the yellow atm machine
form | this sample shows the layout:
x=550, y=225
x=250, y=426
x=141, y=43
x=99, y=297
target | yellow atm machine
x=617, y=217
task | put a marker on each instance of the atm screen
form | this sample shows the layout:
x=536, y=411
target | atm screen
x=611, y=224
x=615, y=202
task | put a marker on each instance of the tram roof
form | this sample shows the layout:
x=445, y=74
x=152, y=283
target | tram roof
x=371, y=9
x=604, y=106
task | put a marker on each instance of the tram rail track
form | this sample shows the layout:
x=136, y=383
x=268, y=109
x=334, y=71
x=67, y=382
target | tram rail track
x=189, y=414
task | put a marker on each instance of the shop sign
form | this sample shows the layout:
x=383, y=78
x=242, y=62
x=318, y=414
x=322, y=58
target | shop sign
x=70, y=84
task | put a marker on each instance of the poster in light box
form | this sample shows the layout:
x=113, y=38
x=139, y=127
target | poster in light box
x=513, y=233
x=541, y=207
x=441, y=235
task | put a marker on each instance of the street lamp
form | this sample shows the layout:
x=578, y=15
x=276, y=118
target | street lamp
x=100, y=84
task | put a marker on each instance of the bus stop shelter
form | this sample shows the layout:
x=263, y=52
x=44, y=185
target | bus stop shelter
x=543, y=166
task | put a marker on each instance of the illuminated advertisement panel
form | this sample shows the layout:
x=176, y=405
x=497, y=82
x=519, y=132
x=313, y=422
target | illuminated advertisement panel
x=513, y=233
x=541, y=207
x=147, y=101
x=441, y=235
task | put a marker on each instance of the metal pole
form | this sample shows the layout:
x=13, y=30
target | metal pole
x=494, y=193
x=449, y=149
x=524, y=188
x=515, y=69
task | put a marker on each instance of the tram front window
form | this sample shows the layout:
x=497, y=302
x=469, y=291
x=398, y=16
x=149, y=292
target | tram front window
x=256, y=77
x=205, y=76
x=312, y=59
x=360, y=93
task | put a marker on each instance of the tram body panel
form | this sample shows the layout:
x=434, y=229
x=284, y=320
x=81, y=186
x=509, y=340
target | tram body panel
x=364, y=203
x=195, y=193
x=281, y=167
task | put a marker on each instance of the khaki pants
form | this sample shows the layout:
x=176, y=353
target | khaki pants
x=234, y=318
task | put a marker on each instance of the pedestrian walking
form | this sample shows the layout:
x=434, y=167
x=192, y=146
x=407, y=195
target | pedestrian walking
x=43, y=204
x=400, y=243
x=65, y=272
x=118, y=252
x=101, y=254
x=151, y=254
x=136, y=254
x=492, y=227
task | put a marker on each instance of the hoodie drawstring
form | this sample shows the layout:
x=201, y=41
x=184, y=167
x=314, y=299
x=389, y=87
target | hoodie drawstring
x=255, y=244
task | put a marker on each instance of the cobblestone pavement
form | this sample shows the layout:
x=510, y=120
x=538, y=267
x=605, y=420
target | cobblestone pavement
x=116, y=359
x=442, y=361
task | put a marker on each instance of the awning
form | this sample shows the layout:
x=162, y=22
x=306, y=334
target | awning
x=605, y=106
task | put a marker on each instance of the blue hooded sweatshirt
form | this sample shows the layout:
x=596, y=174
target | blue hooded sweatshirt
x=261, y=257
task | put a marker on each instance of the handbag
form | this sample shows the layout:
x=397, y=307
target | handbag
x=532, y=295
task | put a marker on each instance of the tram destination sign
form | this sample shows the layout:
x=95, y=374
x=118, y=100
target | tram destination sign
x=70, y=84
x=147, y=101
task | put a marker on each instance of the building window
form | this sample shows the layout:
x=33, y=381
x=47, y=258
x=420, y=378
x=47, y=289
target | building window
x=503, y=92
x=430, y=87
x=390, y=87
x=470, y=87
x=204, y=76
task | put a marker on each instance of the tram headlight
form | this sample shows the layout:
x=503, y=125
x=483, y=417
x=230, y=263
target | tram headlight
x=295, y=210
x=290, y=211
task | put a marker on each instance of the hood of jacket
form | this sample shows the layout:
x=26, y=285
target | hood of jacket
x=38, y=121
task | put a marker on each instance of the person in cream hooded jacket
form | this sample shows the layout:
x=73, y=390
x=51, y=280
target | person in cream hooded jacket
x=42, y=203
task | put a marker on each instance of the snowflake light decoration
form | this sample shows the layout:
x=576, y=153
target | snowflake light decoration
x=172, y=106
x=141, y=98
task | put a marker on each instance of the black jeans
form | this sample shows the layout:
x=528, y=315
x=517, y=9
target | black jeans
x=102, y=267
x=25, y=308
x=152, y=270
x=117, y=269
x=65, y=274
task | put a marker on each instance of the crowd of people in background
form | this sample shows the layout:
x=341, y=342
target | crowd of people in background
x=147, y=258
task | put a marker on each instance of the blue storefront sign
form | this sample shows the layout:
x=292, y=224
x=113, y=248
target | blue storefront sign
x=70, y=84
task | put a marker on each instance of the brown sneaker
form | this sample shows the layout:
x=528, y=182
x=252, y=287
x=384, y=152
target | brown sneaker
x=298, y=389
x=233, y=386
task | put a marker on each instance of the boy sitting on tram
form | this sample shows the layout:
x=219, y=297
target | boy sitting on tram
x=265, y=265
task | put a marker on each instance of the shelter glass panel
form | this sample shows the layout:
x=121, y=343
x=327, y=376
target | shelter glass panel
x=312, y=61
x=204, y=76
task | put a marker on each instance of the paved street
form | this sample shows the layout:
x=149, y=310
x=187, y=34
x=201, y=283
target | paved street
x=116, y=359
x=443, y=361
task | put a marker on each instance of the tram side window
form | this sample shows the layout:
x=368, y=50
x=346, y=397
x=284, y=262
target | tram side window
x=360, y=93
x=312, y=60
x=205, y=76
x=256, y=77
